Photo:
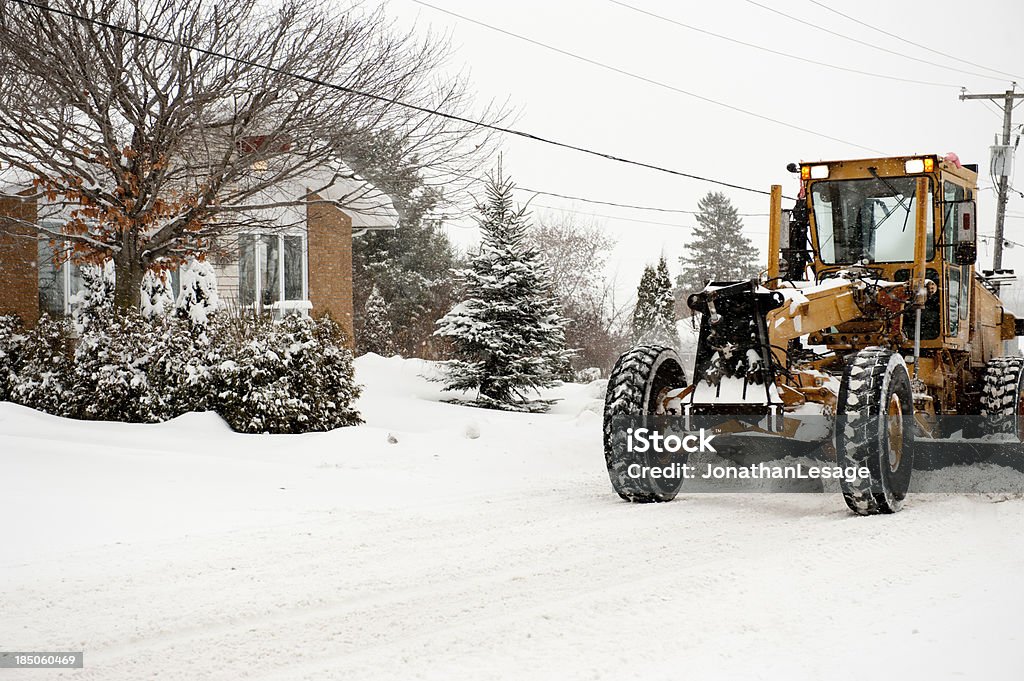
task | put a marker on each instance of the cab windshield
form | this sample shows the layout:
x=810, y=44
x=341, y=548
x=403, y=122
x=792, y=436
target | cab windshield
x=871, y=219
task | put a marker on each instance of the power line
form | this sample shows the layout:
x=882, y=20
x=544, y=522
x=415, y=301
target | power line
x=867, y=44
x=779, y=52
x=642, y=78
x=625, y=205
x=617, y=218
x=911, y=42
x=390, y=100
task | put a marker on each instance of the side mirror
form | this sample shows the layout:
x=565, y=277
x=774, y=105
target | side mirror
x=965, y=253
x=965, y=216
x=966, y=250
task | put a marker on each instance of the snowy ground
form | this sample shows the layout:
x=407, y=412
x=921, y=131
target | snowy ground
x=478, y=545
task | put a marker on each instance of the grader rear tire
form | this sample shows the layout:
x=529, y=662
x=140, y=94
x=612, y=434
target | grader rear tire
x=639, y=378
x=875, y=430
x=1002, y=396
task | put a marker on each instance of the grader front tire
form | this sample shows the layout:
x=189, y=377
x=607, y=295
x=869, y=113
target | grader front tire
x=875, y=430
x=640, y=377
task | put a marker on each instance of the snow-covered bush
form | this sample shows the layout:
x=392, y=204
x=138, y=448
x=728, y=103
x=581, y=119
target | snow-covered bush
x=110, y=379
x=44, y=380
x=12, y=342
x=292, y=376
x=157, y=299
x=96, y=297
x=199, y=298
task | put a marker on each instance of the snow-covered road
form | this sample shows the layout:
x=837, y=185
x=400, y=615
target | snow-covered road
x=479, y=545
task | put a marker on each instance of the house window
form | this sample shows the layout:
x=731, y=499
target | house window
x=271, y=268
x=59, y=280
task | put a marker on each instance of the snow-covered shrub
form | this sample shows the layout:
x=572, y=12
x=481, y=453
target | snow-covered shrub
x=110, y=370
x=12, y=342
x=44, y=380
x=199, y=298
x=144, y=370
x=292, y=376
x=96, y=298
x=157, y=299
x=180, y=367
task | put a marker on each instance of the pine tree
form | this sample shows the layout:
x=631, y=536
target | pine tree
x=654, y=317
x=507, y=333
x=376, y=335
x=719, y=250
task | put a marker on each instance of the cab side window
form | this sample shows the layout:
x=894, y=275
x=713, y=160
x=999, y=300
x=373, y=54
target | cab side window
x=952, y=198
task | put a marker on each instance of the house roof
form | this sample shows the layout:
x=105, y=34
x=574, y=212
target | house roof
x=368, y=207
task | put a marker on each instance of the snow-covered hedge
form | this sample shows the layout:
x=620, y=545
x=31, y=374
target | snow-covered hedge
x=292, y=376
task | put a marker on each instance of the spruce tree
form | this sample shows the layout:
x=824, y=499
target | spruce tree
x=644, y=312
x=654, y=318
x=507, y=334
x=376, y=335
x=719, y=251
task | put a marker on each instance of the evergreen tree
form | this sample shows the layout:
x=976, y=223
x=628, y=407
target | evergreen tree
x=654, y=318
x=507, y=333
x=646, y=303
x=410, y=266
x=719, y=250
x=376, y=333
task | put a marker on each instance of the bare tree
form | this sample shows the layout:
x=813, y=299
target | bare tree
x=149, y=150
x=575, y=251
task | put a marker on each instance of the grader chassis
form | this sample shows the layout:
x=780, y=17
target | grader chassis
x=870, y=312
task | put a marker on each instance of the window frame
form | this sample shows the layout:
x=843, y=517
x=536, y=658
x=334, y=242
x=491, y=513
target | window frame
x=256, y=240
x=64, y=271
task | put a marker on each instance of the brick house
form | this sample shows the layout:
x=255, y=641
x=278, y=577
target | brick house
x=301, y=261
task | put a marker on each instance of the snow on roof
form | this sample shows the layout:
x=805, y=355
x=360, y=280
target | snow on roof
x=369, y=207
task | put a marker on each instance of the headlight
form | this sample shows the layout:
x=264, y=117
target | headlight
x=819, y=172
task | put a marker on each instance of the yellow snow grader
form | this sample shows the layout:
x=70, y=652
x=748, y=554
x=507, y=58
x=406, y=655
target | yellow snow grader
x=869, y=313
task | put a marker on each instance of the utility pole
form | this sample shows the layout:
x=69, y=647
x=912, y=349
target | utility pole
x=1004, y=181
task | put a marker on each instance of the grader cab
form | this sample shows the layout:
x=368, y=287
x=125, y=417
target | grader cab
x=870, y=313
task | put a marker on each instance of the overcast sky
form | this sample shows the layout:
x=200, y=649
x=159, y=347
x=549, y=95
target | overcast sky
x=564, y=98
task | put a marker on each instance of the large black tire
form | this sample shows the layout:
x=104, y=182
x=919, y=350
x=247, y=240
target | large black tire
x=639, y=377
x=1002, y=396
x=875, y=430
